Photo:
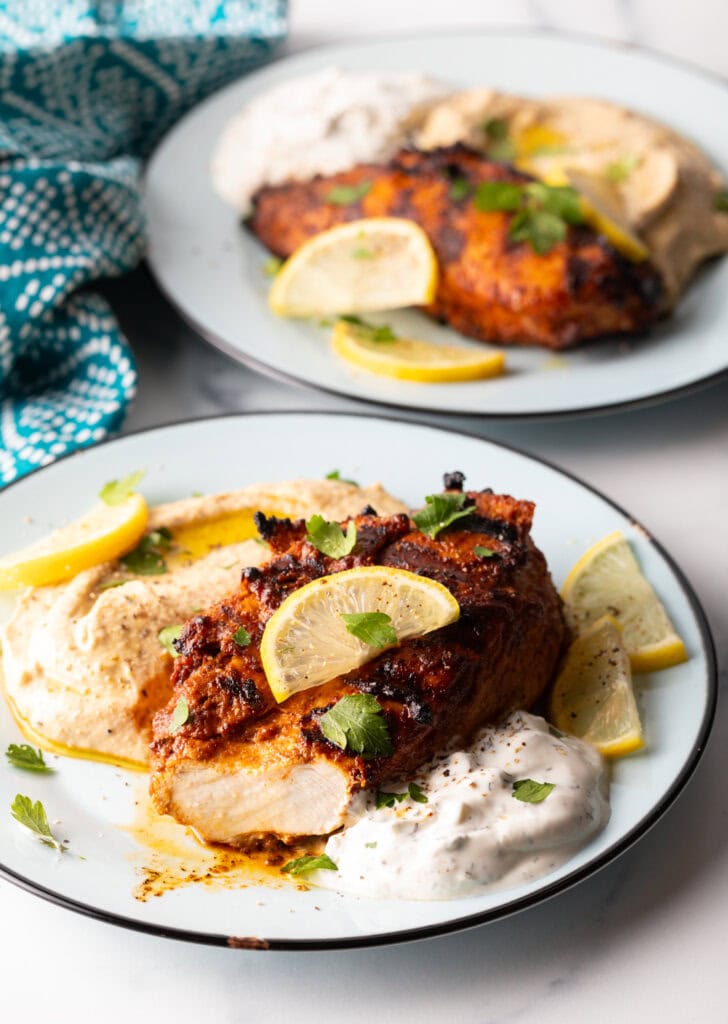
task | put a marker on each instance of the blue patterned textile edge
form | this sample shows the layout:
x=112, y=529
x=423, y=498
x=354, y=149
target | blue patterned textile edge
x=87, y=88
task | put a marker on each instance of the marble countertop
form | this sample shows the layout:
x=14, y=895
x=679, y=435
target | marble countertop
x=640, y=941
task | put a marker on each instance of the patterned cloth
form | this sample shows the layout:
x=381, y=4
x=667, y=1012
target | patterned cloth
x=87, y=87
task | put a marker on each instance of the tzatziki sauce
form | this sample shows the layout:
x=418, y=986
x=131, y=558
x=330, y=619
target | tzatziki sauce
x=320, y=123
x=474, y=833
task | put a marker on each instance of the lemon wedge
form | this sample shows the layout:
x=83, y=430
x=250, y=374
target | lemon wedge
x=362, y=266
x=593, y=697
x=411, y=359
x=602, y=211
x=306, y=641
x=104, y=533
x=608, y=580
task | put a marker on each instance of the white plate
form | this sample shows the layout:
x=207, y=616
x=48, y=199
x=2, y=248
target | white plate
x=211, y=268
x=93, y=800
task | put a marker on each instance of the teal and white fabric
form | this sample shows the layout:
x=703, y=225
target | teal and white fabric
x=87, y=87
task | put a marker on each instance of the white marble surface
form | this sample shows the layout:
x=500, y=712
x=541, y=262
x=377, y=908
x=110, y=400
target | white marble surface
x=642, y=941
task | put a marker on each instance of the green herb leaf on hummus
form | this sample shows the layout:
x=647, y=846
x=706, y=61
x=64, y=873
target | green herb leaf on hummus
x=116, y=492
x=24, y=756
x=372, y=628
x=302, y=865
x=336, y=475
x=167, y=635
x=720, y=201
x=344, y=195
x=371, y=332
x=179, y=716
x=241, y=637
x=530, y=791
x=355, y=723
x=147, y=558
x=500, y=147
x=329, y=538
x=33, y=817
x=619, y=170
x=441, y=510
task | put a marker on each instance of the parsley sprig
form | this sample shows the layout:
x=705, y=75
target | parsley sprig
x=116, y=492
x=302, y=865
x=530, y=791
x=329, y=538
x=372, y=628
x=414, y=792
x=147, y=558
x=441, y=510
x=24, y=756
x=33, y=817
x=355, y=723
x=370, y=332
x=344, y=195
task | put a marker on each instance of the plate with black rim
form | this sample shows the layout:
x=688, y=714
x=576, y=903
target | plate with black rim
x=94, y=804
x=211, y=268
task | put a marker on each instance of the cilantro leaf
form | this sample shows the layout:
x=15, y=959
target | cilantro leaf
x=620, y=170
x=720, y=201
x=542, y=229
x=417, y=794
x=24, y=756
x=440, y=511
x=180, y=715
x=482, y=552
x=241, y=637
x=272, y=266
x=33, y=817
x=110, y=584
x=495, y=128
x=500, y=147
x=167, y=635
x=329, y=538
x=336, y=475
x=344, y=195
x=460, y=189
x=302, y=865
x=355, y=723
x=115, y=492
x=560, y=200
x=372, y=628
x=147, y=558
x=363, y=254
x=372, y=332
x=498, y=195
x=530, y=791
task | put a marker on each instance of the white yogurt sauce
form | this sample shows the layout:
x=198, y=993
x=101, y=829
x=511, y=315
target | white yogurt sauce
x=472, y=835
x=318, y=124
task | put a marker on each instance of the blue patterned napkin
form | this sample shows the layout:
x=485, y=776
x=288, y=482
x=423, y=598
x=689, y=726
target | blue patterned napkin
x=87, y=87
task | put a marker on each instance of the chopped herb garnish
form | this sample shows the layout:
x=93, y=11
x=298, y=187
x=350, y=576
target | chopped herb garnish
x=147, y=558
x=344, y=195
x=110, y=584
x=329, y=538
x=500, y=147
x=620, y=170
x=371, y=846
x=336, y=475
x=33, y=817
x=115, y=492
x=460, y=189
x=542, y=212
x=498, y=195
x=355, y=723
x=167, y=636
x=364, y=254
x=179, y=716
x=372, y=332
x=720, y=201
x=24, y=756
x=302, y=865
x=541, y=229
x=414, y=792
x=272, y=266
x=241, y=637
x=482, y=552
x=372, y=628
x=440, y=511
x=530, y=791
x=495, y=128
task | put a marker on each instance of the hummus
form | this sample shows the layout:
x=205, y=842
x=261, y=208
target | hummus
x=660, y=185
x=83, y=665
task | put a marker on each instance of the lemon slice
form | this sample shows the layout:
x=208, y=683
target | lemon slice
x=362, y=266
x=608, y=580
x=306, y=642
x=603, y=212
x=593, y=697
x=104, y=533
x=410, y=359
